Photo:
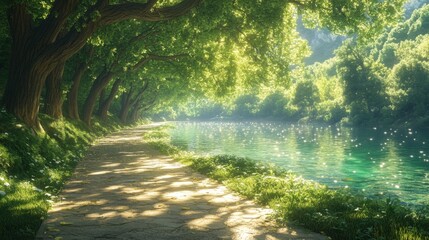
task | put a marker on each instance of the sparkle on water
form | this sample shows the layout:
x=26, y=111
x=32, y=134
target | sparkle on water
x=376, y=161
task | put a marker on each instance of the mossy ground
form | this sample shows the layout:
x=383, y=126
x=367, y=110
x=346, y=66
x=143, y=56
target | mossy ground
x=340, y=214
x=34, y=167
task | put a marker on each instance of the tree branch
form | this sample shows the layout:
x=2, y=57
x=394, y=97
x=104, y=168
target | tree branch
x=141, y=36
x=49, y=29
x=75, y=39
x=150, y=57
x=140, y=93
x=145, y=11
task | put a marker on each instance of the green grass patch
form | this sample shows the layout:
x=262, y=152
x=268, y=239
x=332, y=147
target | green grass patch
x=34, y=167
x=337, y=213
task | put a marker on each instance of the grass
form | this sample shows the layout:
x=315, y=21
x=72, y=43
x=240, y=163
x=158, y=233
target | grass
x=339, y=214
x=34, y=167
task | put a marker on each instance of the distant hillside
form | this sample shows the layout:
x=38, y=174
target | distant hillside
x=323, y=42
x=411, y=5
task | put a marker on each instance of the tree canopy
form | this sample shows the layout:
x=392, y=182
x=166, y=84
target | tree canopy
x=190, y=47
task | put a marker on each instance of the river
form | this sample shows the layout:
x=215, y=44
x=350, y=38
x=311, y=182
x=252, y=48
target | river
x=374, y=161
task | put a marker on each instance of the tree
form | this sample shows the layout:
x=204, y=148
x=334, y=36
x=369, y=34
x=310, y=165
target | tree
x=409, y=79
x=54, y=94
x=107, y=102
x=364, y=88
x=42, y=40
x=246, y=106
x=273, y=105
x=80, y=66
x=37, y=49
x=4, y=46
x=412, y=82
x=306, y=96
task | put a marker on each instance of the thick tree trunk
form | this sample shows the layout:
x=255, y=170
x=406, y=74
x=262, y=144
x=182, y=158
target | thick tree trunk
x=128, y=102
x=29, y=64
x=73, y=109
x=22, y=92
x=125, y=106
x=25, y=82
x=134, y=113
x=99, y=84
x=54, y=96
x=101, y=100
x=104, y=107
x=138, y=109
x=36, y=50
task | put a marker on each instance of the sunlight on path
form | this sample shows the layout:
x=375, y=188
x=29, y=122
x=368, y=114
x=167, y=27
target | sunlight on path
x=124, y=189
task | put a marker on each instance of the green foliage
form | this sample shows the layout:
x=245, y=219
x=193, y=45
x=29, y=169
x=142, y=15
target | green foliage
x=306, y=96
x=378, y=82
x=34, y=167
x=364, y=88
x=340, y=213
x=273, y=105
x=246, y=106
x=411, y=80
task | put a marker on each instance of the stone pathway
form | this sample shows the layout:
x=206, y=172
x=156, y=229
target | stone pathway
x=124, y=189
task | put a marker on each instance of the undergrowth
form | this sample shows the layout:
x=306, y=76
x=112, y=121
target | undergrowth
x=339, y=214
x=34, y=167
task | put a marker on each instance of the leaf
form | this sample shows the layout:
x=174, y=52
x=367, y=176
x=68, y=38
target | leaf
x=52, y=229
x=66, y=223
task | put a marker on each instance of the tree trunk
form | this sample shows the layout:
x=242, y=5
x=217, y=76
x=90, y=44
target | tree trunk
x=101, y=100
x=138, y=108
x=36, y=50
x=72, y=96
x=54, y=96
x=29, y=63
x=21, y=96
x=22, y=92
x=134, y=113
x=99, y=84
x=125, y=106
x=104, y=108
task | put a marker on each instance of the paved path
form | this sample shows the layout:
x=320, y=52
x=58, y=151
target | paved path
x=124, y=189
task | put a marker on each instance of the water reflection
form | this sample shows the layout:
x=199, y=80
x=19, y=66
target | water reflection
x=377, y=161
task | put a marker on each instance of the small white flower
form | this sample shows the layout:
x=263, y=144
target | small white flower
x=6, y=184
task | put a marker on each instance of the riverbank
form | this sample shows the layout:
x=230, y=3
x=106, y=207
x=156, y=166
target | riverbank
x=125, y=189
x=338, y=213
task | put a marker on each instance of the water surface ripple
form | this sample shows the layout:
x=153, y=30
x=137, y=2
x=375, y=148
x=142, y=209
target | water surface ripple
x=375, y=161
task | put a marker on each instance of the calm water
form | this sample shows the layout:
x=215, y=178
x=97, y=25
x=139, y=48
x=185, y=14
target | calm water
x=377, y=161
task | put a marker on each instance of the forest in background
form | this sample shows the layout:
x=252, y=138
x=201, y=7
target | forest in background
x=384, y=81
x=82, y=59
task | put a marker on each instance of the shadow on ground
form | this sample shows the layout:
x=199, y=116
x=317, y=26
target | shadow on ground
x=124, y=189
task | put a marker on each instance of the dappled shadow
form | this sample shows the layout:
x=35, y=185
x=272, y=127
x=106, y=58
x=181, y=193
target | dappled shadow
x=124, y=189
